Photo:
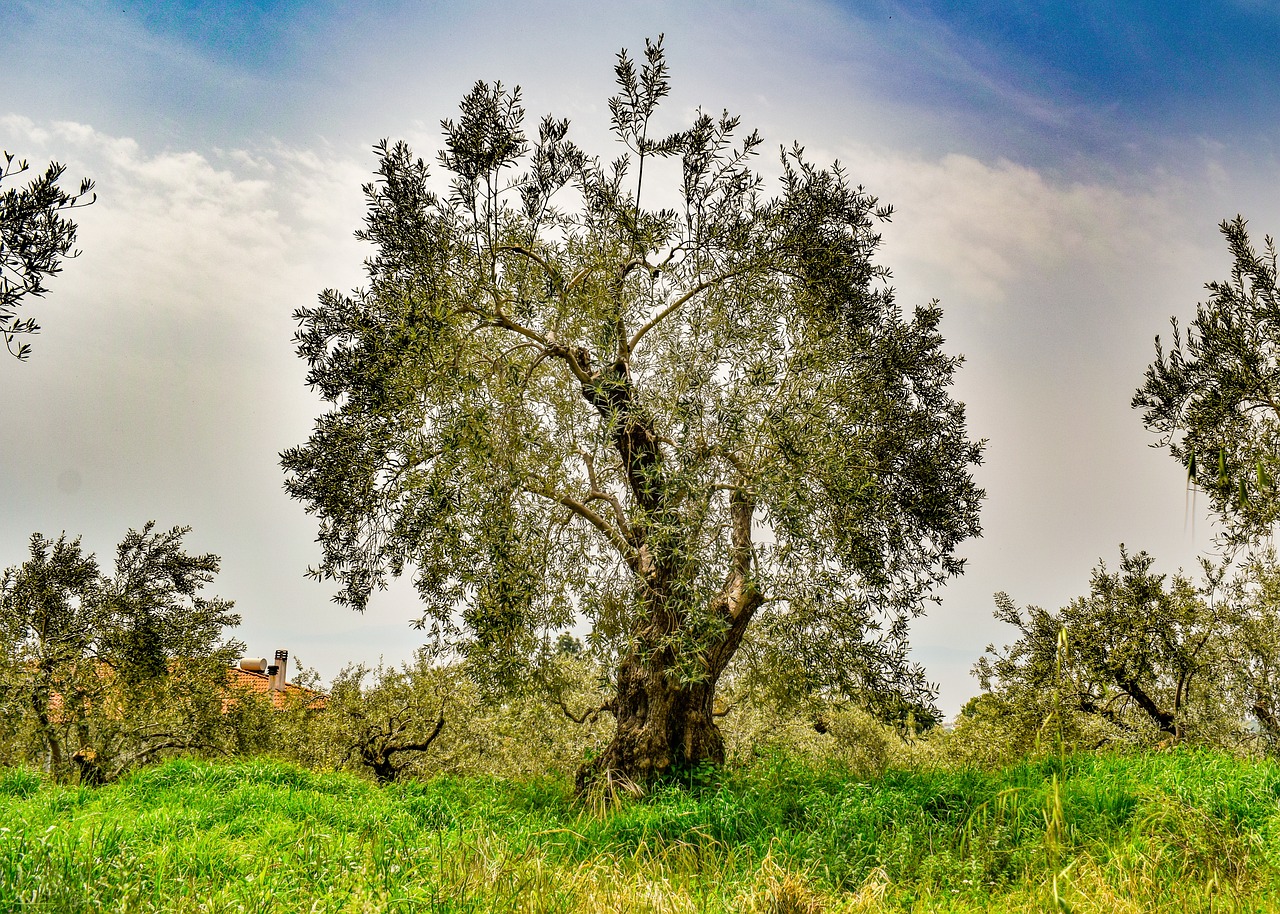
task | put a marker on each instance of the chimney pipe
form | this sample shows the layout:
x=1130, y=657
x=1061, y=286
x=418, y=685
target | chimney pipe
x=279, y=672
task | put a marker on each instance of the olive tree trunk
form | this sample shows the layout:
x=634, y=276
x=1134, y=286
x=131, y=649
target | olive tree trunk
x=665, y=723
x=663, y=727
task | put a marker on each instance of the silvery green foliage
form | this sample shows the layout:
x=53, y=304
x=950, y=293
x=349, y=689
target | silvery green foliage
x=1214, y=398
x=1143, y=657
x=1253, y=600
x=99, y=673
x=554, y=400
x=35, y=237
x=426, y=718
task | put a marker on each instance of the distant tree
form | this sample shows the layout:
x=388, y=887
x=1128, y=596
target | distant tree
x=385, y=724
x=35, y=237
x=567, y=645
x=155, y=609
x=50, y=619
x=111, y=671
x=428, y=717
x=1142, y=653
x=1214, y=398
x=697, y=425
x=165, y=642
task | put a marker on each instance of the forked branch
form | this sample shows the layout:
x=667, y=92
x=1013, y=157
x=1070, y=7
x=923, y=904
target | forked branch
x=589, y=716
x=618, y=541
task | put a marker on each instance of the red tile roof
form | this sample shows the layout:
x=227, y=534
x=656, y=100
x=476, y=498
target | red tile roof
x=260, y=683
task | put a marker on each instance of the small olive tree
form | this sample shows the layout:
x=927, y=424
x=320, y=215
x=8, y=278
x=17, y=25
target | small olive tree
x=429, y=717
x=386, y=724
x=695, y=425
x=107, y=672
x=50, y=616
x=1141, y=658
x=1253, y=671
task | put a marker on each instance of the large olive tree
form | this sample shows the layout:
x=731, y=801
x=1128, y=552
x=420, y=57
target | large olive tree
x=691, y=425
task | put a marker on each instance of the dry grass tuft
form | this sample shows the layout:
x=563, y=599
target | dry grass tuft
x=781, y=891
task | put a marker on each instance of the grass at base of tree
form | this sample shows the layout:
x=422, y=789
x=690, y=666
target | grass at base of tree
x=1175, y=831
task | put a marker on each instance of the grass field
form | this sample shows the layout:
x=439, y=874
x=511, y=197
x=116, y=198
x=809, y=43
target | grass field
x=1180, y=831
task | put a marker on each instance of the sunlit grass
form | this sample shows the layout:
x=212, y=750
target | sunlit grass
x=1176, y=831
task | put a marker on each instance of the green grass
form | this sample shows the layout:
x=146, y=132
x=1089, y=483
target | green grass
x=1181, y=831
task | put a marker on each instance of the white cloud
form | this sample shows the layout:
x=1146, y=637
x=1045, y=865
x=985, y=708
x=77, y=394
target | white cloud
x=180, y=230
x=981, y=231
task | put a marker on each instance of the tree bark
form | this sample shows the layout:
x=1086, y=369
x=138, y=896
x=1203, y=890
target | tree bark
x=1163, y=720
x=41, y=702
x=378, y=750
x=663, y=727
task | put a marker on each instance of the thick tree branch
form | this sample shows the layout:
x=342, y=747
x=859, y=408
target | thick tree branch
x=739, y=598
x=625, y=270
x=577, y=278
x=499, y=319
x=1161, y=718
x=578, y=360
x=573, y=357
x=420, y=745
x=591, y=715
x=742, y=513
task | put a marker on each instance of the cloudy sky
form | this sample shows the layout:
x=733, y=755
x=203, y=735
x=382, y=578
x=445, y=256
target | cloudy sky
x=1058, y=171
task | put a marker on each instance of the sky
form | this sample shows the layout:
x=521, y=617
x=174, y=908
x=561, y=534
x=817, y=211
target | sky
x=1058, y=171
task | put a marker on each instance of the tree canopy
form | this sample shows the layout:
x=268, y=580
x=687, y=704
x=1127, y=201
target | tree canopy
x=1142, y=653
x=695, y=418
x=1214, y=398
x=35, y=237
x=1144, y=657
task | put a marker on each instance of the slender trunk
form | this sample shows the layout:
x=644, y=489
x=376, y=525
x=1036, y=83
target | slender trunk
x=91, y=772
x=41, y=701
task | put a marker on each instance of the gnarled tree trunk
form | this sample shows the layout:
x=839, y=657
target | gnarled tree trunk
x=663, y=727
x=666, y=726
x=665, y=723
